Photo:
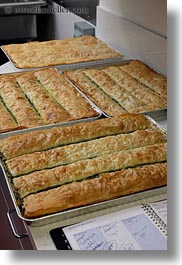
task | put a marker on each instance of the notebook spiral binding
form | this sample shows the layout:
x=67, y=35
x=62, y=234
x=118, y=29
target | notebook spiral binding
x=155, y=218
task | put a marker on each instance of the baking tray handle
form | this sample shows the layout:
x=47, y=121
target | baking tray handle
x=12, y=224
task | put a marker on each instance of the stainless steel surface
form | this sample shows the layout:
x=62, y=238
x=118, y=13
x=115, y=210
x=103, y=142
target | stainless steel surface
x=157, y=113
x=18, y=20
x=13, y=227
x=156, y=124
x=18, y=27
x=18, y=3
x=89, y=208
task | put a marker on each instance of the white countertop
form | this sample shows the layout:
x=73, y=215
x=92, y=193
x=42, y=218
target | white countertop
x=41, y=235
x=7, y=68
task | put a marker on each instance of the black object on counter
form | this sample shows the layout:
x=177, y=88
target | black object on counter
x=83, y=8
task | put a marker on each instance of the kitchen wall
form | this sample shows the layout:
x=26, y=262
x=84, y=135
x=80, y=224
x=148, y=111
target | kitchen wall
x=138, y=28
x=151, y=14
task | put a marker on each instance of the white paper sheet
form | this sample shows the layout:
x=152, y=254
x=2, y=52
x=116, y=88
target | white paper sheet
x=130, y=229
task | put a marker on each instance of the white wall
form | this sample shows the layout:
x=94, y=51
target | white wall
x=151, y=14
x=133, y=40
x=62, y=24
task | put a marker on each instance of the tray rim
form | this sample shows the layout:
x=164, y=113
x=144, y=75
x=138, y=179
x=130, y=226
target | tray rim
x=77, y=211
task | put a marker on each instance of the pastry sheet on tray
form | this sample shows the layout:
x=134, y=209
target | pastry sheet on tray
x=70, y=213
x=71, y=65
x=121, y=61
x=20, y=129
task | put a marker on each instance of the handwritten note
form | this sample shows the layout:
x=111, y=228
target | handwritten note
x=125, y=230
x=145, y=233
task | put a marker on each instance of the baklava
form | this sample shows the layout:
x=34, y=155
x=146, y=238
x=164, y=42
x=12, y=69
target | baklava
x=130, y=87
x=38, y=98
x=60, y=168
x=59, y=52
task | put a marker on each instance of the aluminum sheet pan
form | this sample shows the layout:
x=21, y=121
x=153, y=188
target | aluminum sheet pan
x=71, y=65
x=122, y=61
x=89, y=208
x=44, y=127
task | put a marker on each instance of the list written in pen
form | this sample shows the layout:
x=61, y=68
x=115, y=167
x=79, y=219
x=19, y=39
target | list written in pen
x=136, y=232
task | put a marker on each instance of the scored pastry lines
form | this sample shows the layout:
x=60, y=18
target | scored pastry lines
x=93, y=91
x=17, y=103
x=105, y=186
x=128, y=86
x=65, y=94
x=108, y=152
x=75, y=152
x=111, y=88
x=48, y=109
x=80, y=170
x=41, y=140
x=31, y=104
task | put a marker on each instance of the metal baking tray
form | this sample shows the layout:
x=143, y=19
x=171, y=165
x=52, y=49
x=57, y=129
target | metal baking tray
x=158, y=113
x=71, y=65
x=89, y=208
x=94, y=107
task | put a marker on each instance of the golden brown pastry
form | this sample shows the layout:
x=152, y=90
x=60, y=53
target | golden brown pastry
x=147, y=96
x=147, y=76
x=110, y=87
x=101, y=160
x=49, y=110
x=106, y=186
x=40, y=140
x=67, y=96
x=57, y=52
x=95, y=93
x=83, y=169
x=17, y=103
x=75, y=152
x=6, y=119
x=33, y=103
x=131, y=87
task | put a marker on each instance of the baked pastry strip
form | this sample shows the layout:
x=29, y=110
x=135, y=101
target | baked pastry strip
x=55, y=52
x=105, y=187
x=41, y=140
x=65, y=94
x=6, y=119
x=91, y=90
x=18, y=104
x=68, y=154
x=110, y=87
x=49, y=110
x=80, y=170
x=137, y=89
x=147, y=76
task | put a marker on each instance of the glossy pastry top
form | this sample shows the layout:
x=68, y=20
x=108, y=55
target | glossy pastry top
x=57, y=52
x=129, y=87
x=60, y=168
x=37, y=98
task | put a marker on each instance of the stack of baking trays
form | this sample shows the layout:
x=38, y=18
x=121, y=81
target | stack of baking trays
x=77, y=140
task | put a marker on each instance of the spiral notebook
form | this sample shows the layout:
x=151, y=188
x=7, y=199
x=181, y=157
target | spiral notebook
x=142, y=227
